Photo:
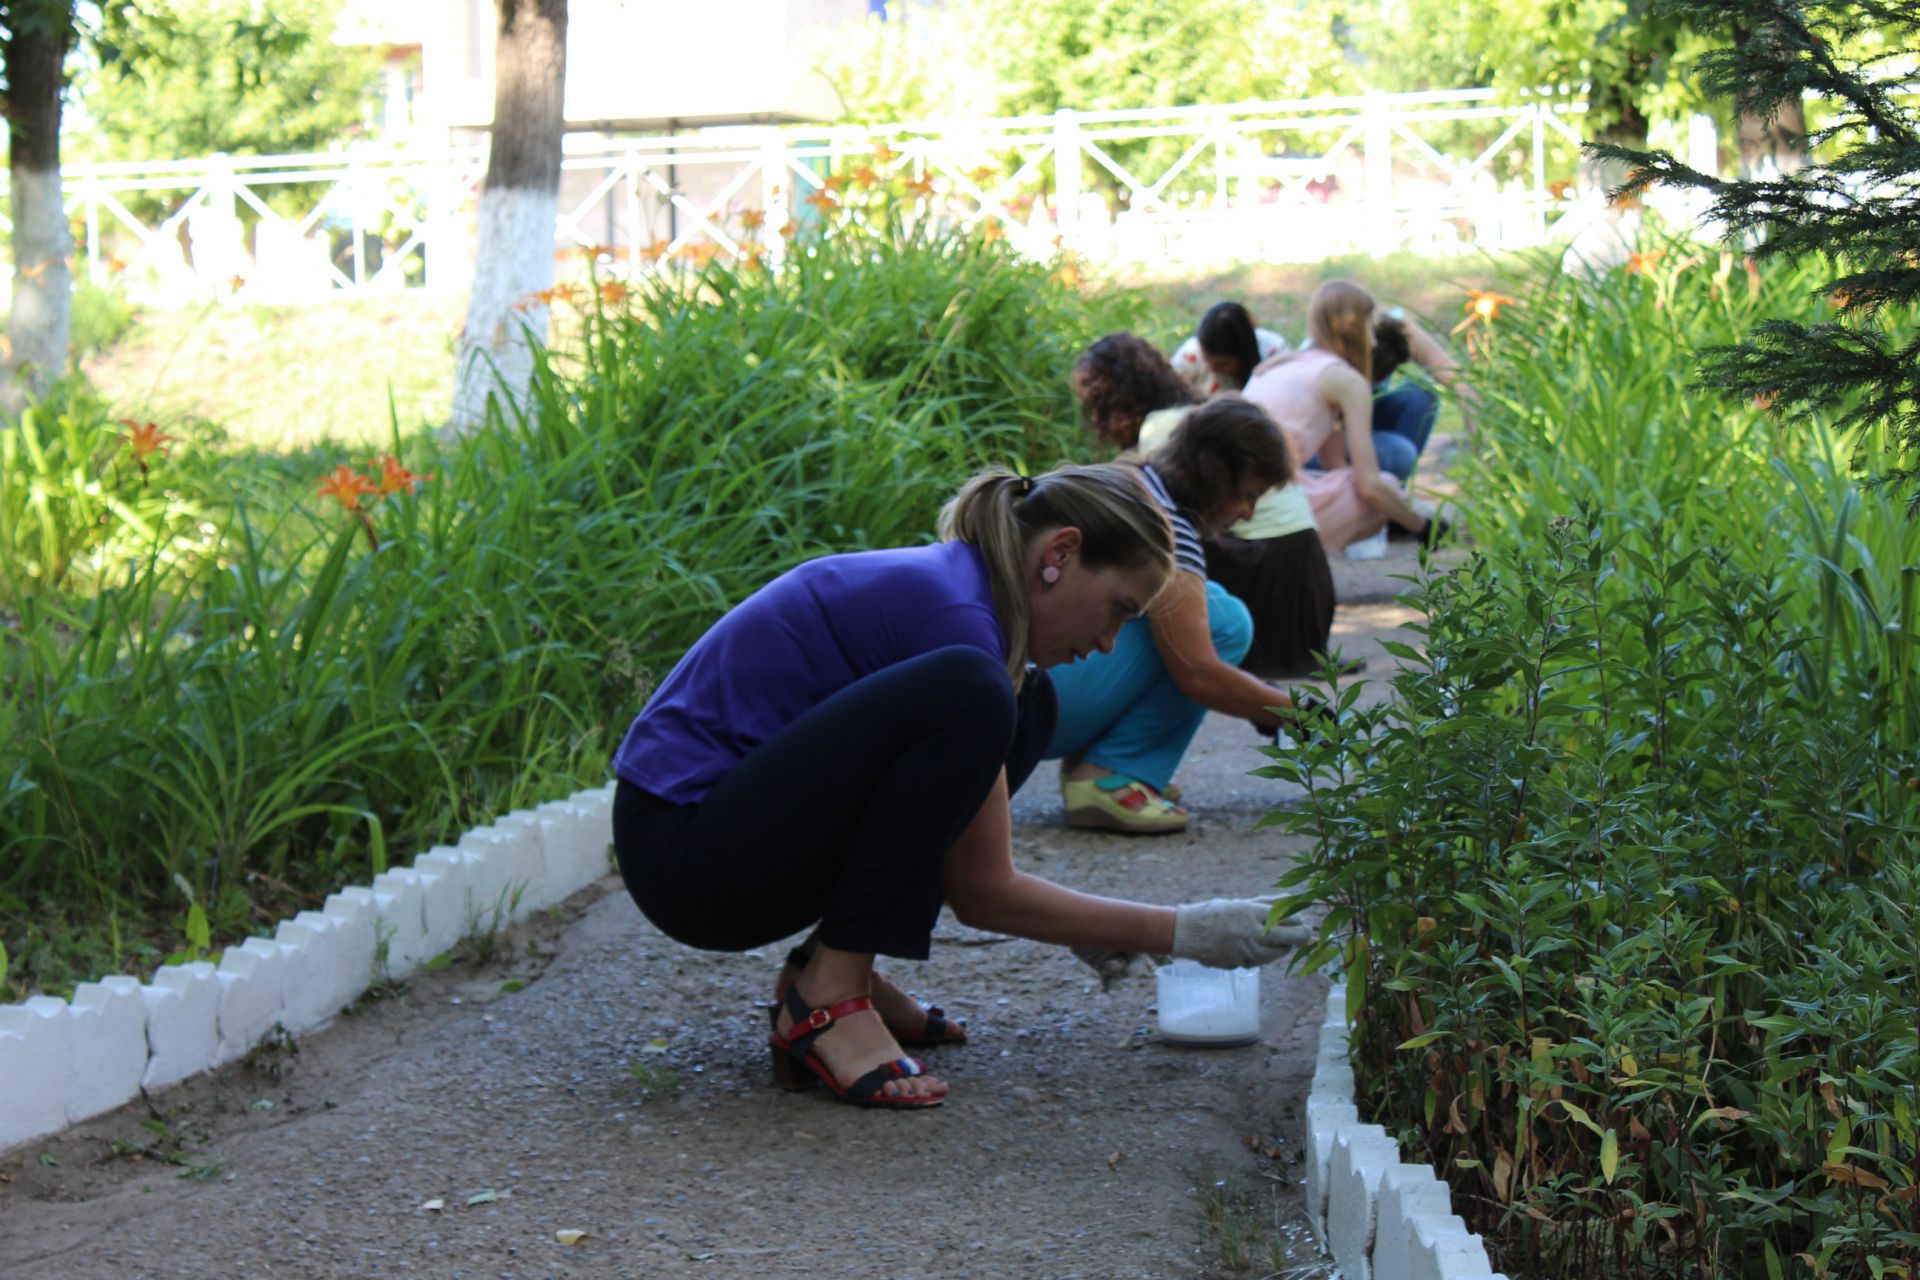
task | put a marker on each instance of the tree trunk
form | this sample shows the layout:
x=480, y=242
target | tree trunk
x=42, y=282
x=518, y=204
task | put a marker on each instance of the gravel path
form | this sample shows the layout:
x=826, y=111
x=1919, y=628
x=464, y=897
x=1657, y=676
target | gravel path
x=623, y=1091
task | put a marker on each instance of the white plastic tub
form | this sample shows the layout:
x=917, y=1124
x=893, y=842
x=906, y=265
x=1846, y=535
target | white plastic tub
x=1213, y=1007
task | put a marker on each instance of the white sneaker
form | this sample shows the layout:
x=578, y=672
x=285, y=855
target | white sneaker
x=1373, y=548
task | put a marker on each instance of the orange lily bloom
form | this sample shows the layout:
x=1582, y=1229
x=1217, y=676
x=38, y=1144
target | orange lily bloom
x=865, y=176
x=394, y=478
x=1483, y=306
x=789, y=229
x=751, y=218
x=836, y=181
x=613, y=292
x=884, y=154
x=823, y=201
x=991, y=230
x=921, y=186
x=347, y=486
x=145, y=439
x=1640, y=264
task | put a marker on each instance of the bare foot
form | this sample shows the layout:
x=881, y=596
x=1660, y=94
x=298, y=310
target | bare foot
x=856, y=1044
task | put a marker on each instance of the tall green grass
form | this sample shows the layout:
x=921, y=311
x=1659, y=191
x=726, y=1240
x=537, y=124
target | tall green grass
x=285, y=707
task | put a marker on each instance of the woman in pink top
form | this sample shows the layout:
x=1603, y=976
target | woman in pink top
x=1323, y=401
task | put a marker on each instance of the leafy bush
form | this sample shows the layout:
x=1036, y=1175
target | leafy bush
x=314, y=686
x=1626, y=880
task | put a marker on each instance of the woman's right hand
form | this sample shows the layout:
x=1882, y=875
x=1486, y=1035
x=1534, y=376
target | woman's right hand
x=1232, y=933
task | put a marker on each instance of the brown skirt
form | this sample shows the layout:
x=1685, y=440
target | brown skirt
x=1288, y=586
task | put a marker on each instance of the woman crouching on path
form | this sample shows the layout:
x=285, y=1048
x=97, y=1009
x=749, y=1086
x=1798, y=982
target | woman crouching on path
x=838, y=751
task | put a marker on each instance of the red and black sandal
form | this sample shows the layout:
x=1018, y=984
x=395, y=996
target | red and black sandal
x=795, y=1066
x=938, y=1029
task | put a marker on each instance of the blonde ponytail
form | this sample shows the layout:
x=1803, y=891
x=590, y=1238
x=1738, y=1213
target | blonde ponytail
x=1001, y=514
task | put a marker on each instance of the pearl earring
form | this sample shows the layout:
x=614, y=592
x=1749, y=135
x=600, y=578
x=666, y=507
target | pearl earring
x=1049, y=575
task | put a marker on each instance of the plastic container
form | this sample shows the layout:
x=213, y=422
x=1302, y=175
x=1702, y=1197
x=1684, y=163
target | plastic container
x=1218, y=1008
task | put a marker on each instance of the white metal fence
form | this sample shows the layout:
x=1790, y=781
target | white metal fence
x=1278, y=181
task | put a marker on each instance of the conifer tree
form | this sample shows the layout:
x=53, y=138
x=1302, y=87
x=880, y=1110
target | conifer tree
x=1856, y=206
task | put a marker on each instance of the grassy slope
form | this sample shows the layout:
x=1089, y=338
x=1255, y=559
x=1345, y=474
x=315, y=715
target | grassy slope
x=282, y=377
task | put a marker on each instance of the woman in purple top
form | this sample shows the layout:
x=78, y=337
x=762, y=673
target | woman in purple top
x=837, y=753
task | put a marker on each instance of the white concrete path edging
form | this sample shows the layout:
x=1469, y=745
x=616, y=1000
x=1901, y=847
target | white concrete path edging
x=1379, y=1218
x=62, y=1061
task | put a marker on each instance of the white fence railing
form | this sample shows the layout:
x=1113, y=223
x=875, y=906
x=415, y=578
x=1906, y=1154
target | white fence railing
x=1279, y=181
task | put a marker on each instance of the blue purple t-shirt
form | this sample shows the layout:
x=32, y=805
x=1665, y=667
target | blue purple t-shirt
x=792, y=644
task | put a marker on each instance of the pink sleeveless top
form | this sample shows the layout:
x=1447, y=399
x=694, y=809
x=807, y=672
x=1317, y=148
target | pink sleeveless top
x=1290, y=393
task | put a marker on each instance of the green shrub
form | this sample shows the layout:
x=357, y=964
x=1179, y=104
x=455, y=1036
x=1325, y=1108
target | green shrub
x=1626, y=879
x=270, y=715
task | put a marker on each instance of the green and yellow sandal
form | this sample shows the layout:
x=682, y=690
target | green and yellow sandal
x=1119, y=803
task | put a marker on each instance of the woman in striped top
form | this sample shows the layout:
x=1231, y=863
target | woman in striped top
x=1128, y=712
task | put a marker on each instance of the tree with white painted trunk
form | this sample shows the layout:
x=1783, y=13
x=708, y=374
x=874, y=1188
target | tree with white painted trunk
x=37, y=35
x=518, y=204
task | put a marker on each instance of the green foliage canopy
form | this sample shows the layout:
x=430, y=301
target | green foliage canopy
x=179, y=78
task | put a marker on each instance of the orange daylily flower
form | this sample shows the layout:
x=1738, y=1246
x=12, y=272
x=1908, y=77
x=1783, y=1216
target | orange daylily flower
x=145, y=438
x=394, y=478
x=751, y=218
x=921, y=186
x=754, y=255
x=836, y=181
x=1066, y=274
x=1841, y=298
x=613, y=292
x=347, y=486
x=865, y=176
x=991, y=230
x=1558, y=190
x=884, y=154
x=823, y=201
x=984, y=174
x=1763, y=400
x=789, y=229
x=1483, y=306
x=1639, y=264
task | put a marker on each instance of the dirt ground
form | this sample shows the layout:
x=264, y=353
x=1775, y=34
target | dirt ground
x=593, y=1076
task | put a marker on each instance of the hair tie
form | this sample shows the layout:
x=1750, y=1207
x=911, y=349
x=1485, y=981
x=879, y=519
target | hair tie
x=1026, y=485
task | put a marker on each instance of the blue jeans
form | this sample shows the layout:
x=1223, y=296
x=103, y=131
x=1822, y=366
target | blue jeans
x=1122, y=710
x=1403, y=418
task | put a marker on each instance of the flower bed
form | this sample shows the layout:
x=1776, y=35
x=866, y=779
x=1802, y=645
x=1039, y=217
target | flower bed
x=226, y=691
x=1625, y=879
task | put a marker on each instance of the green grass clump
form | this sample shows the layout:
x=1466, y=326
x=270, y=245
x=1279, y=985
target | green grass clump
x=210, y=671
x=1626, y=880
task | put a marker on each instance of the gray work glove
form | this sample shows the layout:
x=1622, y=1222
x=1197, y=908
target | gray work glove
x=1232, y=933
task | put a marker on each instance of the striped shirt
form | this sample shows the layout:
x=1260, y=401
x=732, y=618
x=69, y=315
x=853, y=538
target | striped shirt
x=1186, y=538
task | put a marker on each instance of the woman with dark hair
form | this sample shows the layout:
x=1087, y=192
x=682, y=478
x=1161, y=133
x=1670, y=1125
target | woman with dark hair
x=1224, y=349
x=1128, y=713
x=1273, y=562
x=836, y=754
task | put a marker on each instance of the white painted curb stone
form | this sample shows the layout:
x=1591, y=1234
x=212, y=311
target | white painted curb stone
x=1379, y=1219
x=253, y=978
x=36, y=1068
x=1361, y=1154
x=183, y=1022
x=1407, y=1191
x=109, y=1021
x=61, y=1063
x=403, y=918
